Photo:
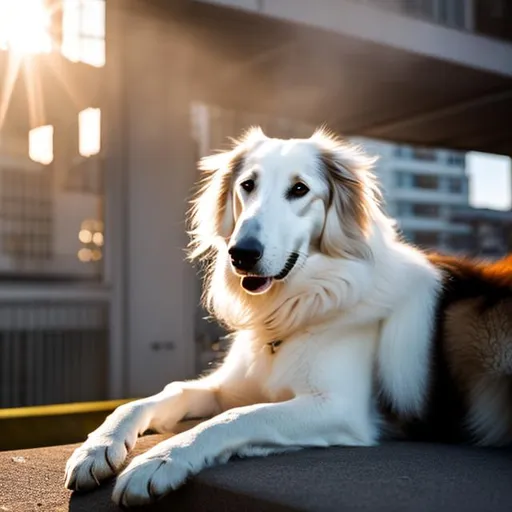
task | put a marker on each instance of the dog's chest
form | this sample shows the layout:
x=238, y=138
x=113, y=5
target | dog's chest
x=281, y=369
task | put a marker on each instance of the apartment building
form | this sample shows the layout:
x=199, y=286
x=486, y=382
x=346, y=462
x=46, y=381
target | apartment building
x=54, y=305
x=422, y=189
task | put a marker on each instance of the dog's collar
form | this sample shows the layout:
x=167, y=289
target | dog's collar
x=273, y=345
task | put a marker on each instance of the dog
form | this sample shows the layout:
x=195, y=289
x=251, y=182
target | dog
x=342, y=333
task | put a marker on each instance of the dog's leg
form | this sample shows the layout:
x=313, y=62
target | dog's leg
x=306, y=421
x=405, y=345
x=337, y=410
x=105, y=450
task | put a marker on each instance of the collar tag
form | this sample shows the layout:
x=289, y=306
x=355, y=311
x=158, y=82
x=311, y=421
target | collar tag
x=274, y=345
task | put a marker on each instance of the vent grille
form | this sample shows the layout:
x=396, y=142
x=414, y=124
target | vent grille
x=53, y=353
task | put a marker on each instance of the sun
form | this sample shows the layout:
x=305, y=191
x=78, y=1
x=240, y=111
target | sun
x=25, y=27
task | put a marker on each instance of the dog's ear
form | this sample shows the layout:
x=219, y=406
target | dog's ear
x=353, y=194
x=212, y=213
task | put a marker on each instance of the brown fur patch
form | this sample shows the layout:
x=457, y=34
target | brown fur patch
x=470, y=392
x=471, y=395
x=346, y=201
x=352, y=193
x=479, y=342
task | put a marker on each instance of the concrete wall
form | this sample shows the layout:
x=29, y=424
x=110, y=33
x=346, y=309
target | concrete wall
x=151, y=163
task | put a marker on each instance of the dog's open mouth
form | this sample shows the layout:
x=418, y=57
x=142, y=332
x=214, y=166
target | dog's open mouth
x=257, y=285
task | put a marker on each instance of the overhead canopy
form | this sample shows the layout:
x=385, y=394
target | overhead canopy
x=359, y=69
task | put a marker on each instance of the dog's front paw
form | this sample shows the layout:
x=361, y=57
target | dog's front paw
x=98, y=459
x=149, y=478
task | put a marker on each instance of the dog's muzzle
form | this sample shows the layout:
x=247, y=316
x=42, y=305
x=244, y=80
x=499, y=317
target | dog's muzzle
x=257, y=285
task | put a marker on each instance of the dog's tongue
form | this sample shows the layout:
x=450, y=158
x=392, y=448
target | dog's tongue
x=256, y=285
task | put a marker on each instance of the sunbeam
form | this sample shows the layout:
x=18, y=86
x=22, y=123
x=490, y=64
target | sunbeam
x=26, y=31
x=25, y=27
x=13, y=68
x=35, y=100
x=23, y=35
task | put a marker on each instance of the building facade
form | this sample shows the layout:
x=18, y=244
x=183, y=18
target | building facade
x=422, y=188
x=491, y=231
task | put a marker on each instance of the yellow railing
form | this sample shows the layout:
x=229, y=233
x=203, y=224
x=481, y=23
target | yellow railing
x=48, y=425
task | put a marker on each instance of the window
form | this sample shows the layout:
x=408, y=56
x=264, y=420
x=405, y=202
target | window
x=456, y=160
x=40, y=144
x=410, y=7
x=404, y=209
x=426, y=181
x=425, y=154
x=455, y=185
x=89, y=132
x=83, y=31
x=447, y=12
x=460, y=242
x=452, y=13
x=425, y=210
x=399, y=151
x=402, y=151
x=427, y=239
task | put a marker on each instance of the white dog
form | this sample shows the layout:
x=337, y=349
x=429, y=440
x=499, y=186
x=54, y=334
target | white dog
x=334, y=322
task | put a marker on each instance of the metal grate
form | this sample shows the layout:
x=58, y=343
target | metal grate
x=53, y=352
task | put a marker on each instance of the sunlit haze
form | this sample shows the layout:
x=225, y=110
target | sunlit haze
x=24, y=27
x=490, y=181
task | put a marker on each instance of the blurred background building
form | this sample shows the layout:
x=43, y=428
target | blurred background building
x=422, y=187
x=105, y=105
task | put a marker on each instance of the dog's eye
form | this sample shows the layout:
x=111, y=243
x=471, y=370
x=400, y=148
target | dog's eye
x=298, y=190
x=248, y=185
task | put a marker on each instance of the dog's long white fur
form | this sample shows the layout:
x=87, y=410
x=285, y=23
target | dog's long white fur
x=349, y=326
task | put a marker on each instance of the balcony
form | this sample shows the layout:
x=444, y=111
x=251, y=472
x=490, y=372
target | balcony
x=418, y=195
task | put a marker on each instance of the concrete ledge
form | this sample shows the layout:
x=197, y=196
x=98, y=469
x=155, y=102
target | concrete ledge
x=392, y=477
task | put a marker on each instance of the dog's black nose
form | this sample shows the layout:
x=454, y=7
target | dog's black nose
x=246, y=253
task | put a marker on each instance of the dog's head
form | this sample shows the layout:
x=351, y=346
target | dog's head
x=269, y=204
